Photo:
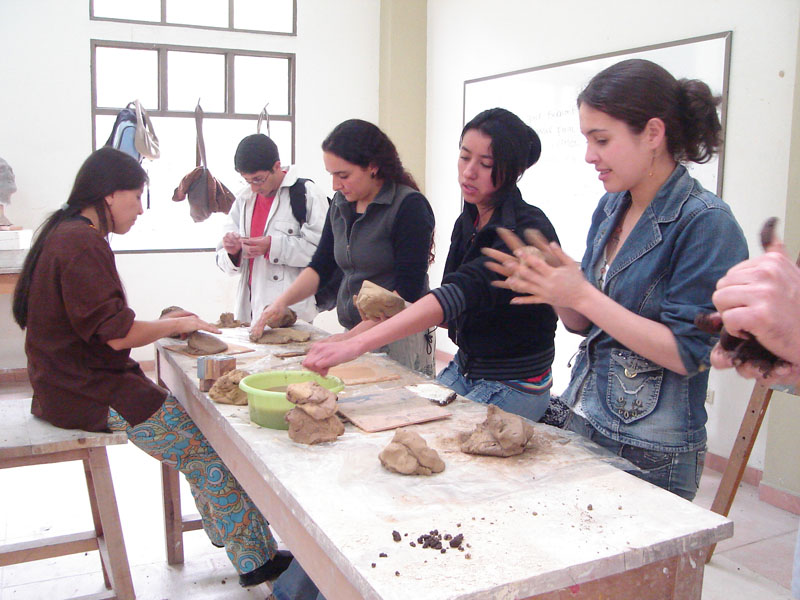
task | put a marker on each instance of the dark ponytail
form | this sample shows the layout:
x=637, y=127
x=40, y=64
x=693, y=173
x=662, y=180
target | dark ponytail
x=362, y=143
x=104, y=172
x=636, y=90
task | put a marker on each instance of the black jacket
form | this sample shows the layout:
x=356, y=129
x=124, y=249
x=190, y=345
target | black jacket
x=496, y=340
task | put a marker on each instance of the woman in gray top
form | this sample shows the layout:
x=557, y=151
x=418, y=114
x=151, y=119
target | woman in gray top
x=379, y=228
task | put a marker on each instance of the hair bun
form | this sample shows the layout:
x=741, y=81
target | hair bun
x=534, y=148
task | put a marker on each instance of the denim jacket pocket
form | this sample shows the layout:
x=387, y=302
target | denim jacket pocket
x=633, y=385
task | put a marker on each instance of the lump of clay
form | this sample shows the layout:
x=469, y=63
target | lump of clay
x=226, y=320
x=501, y=434
x=314, y=419
x=375, y=302
x=226, y=389
x=282, y=335
x=168, y=310
x=408, y=454
x=200, y=342
x=287, y=319
x=312, y=399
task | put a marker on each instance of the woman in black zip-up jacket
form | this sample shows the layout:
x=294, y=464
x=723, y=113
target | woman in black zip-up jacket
x=505, y=350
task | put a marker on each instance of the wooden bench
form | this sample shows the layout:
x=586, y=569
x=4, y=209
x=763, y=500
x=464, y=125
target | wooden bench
x=26, y=440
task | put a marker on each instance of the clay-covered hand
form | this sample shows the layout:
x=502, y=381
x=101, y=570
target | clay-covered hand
x=532, y=274
x=232, y=242
x=256, y=246
x=782, y=373
x=273, y=312
x=324, y=355
x=760, y=298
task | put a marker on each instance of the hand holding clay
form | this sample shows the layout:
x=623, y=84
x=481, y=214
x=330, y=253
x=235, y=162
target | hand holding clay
x=408, y=454
x=375, y=303
x=232, y=242
x=501, y=434
x=314, y=419
x=271, y=314
x=256, y=246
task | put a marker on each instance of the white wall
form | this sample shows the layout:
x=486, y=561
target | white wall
x=466, y=40
x=46, y=81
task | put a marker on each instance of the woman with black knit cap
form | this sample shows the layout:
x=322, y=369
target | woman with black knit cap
x=505, y=351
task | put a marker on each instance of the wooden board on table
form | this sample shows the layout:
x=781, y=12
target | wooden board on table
x=363, y=370
x=389, y=409
x=184, y=349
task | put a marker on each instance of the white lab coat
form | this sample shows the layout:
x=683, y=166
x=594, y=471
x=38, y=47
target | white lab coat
x=290, y=252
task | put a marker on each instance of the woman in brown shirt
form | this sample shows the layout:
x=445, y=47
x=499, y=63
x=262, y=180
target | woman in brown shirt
x=79, y=334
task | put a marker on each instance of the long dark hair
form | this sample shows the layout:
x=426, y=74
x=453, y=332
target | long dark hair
x=515, y=145
x=104, y=172
x=364, y=144
x=636, y=90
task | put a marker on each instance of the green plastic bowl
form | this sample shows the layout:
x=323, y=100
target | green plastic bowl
x=266, y=394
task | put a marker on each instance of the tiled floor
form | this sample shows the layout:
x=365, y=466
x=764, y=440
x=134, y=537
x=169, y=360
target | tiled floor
x=51, y=500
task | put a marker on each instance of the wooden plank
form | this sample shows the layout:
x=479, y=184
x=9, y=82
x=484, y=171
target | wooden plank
x=676, y=578
x=389, y=409
x=51, y=547
x=8, y=281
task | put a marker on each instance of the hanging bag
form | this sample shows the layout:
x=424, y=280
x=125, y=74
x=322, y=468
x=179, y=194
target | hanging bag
x=145, y=138
x=206, y=195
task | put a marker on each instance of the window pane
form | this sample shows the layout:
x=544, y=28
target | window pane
x=258, y=80
x=193, y=75
x=212, y=13
x=264, y=15
x=141, y=10
x=124, y=75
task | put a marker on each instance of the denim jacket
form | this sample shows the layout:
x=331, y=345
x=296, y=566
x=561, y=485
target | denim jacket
x=665, y=271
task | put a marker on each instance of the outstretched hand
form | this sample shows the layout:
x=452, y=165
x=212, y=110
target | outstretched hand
x=326, y=354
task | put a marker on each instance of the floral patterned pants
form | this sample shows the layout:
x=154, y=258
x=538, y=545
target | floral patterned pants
x=230, y=518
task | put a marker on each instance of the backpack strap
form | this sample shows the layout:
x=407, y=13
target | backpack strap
x=297, y=199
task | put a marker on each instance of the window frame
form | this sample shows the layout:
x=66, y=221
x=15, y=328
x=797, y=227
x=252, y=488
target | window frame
x=164, y=23
x=162, y=93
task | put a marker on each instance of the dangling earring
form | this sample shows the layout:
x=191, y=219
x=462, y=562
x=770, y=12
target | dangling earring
x=652, y=163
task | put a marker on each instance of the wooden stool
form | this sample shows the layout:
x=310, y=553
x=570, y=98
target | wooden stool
x=175, y=523
x=26, y=440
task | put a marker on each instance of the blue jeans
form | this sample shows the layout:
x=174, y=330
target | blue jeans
x=676, y=472
x=294, y=584
x=530, y=406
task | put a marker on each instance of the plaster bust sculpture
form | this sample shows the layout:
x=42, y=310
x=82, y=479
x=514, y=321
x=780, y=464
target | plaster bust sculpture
x=7, y=187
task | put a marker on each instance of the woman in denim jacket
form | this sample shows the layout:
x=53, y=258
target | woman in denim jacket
x=657, y=245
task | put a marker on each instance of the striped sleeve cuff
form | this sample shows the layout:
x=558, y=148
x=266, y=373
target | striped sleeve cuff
x=452, y=300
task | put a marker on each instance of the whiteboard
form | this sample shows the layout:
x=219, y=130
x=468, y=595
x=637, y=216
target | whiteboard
x=561, y=183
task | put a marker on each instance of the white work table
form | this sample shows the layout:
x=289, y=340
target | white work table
x=556, y=522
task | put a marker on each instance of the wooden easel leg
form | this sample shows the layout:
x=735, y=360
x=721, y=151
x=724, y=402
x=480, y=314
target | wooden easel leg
x=173, y=517
x=748, y=431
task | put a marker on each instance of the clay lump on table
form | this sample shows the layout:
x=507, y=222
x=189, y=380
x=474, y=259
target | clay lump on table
x=226, y=321
x=202, y=343
x=226, y=389
x=409, y=454
x=313, y=420
x=282, y=335
x=501, y=434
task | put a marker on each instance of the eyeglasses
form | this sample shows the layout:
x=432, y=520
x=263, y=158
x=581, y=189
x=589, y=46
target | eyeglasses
x=255, y=180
